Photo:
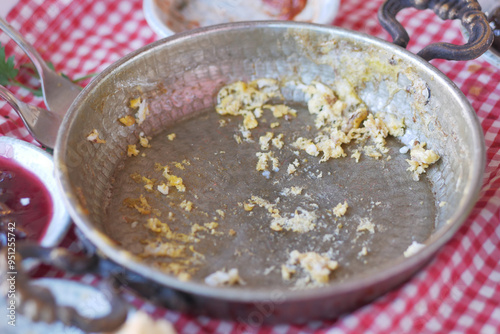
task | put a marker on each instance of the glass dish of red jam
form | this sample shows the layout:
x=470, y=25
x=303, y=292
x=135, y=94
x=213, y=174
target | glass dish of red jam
x=25, y=203
x=31, y=206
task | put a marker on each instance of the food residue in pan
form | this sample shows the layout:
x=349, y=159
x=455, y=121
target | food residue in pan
x=340, y=209
x=340, y=119
x=366, y=225
x=317, y=266
x=93, y=136
x=342, y=127
x=132, y=150
x=420, y=159
x=414, y=248
x=221, y=277
x=140, y=111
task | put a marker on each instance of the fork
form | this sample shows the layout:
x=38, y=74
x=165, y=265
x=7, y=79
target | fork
x=58, y=92
x=41, y=123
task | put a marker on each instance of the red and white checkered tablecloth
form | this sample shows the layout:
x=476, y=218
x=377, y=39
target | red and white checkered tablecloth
x=459, y=292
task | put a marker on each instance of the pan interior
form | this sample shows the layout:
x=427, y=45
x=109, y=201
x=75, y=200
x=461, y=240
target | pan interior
x=180, y=79
x=220, y=177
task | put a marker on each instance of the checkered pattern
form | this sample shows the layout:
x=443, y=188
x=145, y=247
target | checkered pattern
x=458, y=292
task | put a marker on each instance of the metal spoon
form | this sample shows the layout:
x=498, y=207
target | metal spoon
x=41, y=123
x=58, y=92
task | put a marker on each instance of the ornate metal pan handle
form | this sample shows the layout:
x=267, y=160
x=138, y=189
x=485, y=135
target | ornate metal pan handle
x=468, y=11
x=38, y=304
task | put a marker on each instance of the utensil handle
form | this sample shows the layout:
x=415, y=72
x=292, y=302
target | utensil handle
x=39, y=304
x=41, y=123
x=25, y=46
x=468, y=11
x=10, y=99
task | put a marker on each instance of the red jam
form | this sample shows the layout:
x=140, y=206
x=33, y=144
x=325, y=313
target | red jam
x=25, y=203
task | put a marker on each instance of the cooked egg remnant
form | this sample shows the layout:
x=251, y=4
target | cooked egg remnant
x=317, y=266
x=413, y=249
x=341, y=117
x=94, y=137
x=142, y=109
x=340, y=209
x=221, y=277
x=420, y=160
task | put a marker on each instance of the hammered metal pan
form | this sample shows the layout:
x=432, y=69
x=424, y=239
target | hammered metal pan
x=179, y=78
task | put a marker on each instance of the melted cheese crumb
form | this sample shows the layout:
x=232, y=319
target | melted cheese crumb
x=318, y=267
x=264, y=159
x=356, y=155
x=306, y=145
x=366, y=225
x=174, y=181
x=414, y=248
x=127, y=120
x=163, y=188
x=301, y=221
x=143, y=140
x=421, y=159
x=187, y=205
x=164, y=249
x=292, y=191
x=248, y=206
x=241, y=98
x=271, y=208
x=148, y=183
x=221, y=277
x=278, y=141
x=264, y=141
x=340, y=209
x=287, y=272
x=94, y=137
x=281, y=110
x=363, y=252
x=140, y=204
x=292, y=168
x=132, y=150
x=142, y=111
x=135, y=103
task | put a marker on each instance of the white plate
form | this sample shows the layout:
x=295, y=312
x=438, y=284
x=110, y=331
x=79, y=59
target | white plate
x=208, y=12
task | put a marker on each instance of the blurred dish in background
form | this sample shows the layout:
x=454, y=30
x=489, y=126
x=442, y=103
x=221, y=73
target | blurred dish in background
x=494, y=19
x=87, y=300
x=491, y=8
x=167, y=17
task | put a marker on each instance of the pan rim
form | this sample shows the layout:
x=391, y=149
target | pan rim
x=400, y=266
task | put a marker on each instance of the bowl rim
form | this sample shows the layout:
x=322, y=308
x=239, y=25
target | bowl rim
x=155, y=18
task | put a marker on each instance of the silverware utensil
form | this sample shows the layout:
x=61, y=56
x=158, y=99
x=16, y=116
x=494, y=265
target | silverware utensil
x=41, y=123
x=58, y=92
